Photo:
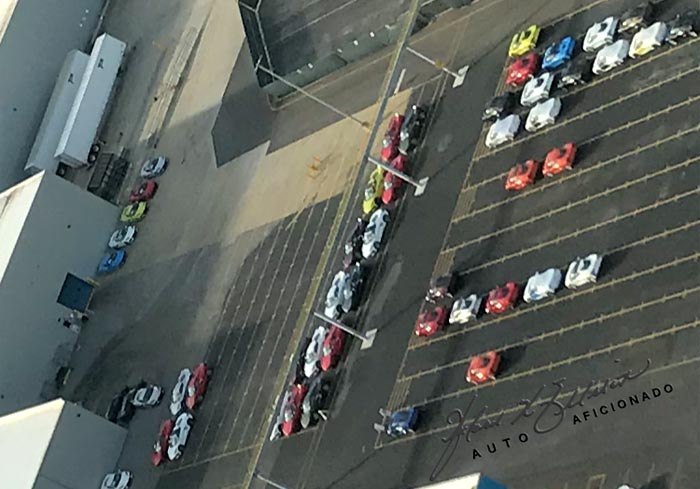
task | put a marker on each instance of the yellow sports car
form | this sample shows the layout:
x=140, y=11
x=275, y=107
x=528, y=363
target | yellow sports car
x=134, y=212
x=524, y=41
x=374, y=190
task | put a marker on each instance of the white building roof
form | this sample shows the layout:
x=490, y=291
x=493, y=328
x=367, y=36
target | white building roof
x=15, y=204
x=24, y=441
x=7, y=8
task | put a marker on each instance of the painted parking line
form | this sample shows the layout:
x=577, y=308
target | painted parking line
x=584, y=201
x=513, y=409
x=568, y=361
x=600, y=164
x=594, y=227
x=583, y=115
x=579, y=292
x=287, y=313
x=221, y=455
x=273, y=282
x=223, y=382
x=595, y=321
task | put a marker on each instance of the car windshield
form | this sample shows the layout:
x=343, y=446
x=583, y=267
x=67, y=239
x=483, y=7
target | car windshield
x=369, y=193
x=484, y=362
x=326, y=350
x=119, y=235
x=388, y=184
x=288, y=414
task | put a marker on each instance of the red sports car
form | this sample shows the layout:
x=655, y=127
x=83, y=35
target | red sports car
x=522, y=175
x=292, y=409
x=392, y=183
x=197, y=386
x=143, y=191
x=392, y=137
x=161, y=446
x=430, y=321
x=332, y=348
x=559, y=159
x=522, y=69
x=483, y=367
x=502, y=298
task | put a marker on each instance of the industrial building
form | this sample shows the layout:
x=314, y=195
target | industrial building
x=57, y=445
x=53, y=236
x=35, y=38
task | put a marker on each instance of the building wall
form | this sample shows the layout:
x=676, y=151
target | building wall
x=37, y=39
x=81, y=439
x=66, y=231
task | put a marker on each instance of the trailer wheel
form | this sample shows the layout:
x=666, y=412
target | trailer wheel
x=95, y=148
x=92, y=157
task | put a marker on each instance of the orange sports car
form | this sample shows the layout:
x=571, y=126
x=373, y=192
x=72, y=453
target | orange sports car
x=483, y=367
x=522, y=175
x=559, y=159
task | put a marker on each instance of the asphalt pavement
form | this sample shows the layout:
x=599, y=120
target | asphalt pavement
x=632, y=195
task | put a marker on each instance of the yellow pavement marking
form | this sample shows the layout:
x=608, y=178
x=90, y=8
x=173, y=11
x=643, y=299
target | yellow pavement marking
x=587, y=113
x=578, y=232
x=586, y=200
x=568, y=361
x=579, y=292
x=518, y=407
x=597, y=320
x=609, y=132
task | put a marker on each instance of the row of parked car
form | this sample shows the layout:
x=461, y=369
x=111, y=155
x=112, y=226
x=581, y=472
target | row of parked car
x=186, y=395
x=135, y=211
x=536, y=77
x=304, y=401
x=559, y=67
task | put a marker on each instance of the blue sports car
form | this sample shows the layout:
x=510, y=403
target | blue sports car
x=402, y=422
x=558, y=53
x=111, y=261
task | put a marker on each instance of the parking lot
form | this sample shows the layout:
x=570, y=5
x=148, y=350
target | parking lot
x=632, y=195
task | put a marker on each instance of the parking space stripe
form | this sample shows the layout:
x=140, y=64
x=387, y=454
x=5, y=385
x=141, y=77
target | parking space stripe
x=587, y=113
x=580, y=292
x=268, y=330
x=597, y=320
x=216, y=365
x=586, y=200
x=287, y=312
x=209, y=459
x=568, y=361
x=513, y=409
x=579, y=232
x=600, y=164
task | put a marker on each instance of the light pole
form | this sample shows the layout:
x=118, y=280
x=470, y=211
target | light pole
x=367, y=339
x=268, y=481
x=419, y=184
x=365, y=125
x=458, y=76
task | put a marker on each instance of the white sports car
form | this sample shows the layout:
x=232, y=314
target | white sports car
x=542, y=284
x=122, y=237
x=537, y=89
x=543, y=114
x=502, y=131
x=465, y=309
x=583, y=271
x=313, y=352
x=154, y=167
x=343, y=293
x=648, y=39
x=147, y=396
x=600, y=34
x=177, y=397
x=121, y=479
x=374, y=232
x=179, y=435
x=611, y=56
